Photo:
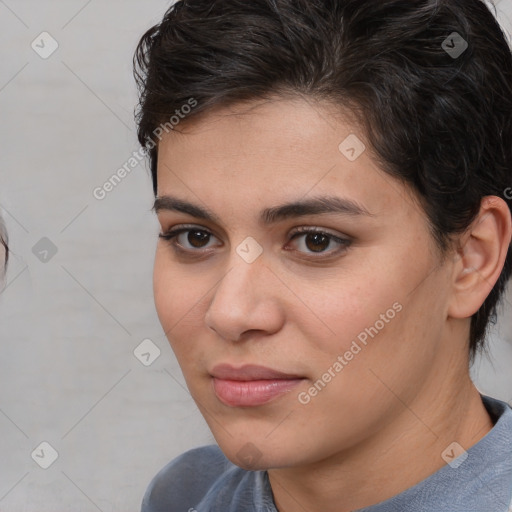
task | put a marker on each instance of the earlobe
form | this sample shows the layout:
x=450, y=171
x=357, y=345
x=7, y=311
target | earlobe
x=481, y=256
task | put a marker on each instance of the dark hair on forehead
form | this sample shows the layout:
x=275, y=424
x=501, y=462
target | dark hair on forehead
x=437, y=121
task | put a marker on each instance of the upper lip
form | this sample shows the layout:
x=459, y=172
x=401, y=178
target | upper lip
x=250, y=372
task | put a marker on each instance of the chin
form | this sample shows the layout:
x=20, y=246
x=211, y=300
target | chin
x=251, y=456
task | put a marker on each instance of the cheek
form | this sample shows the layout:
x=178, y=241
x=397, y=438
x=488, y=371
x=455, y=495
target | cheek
x=179, y=312
x=163, y=290
x=374, y=314
x=349, y=309
x=177, y=296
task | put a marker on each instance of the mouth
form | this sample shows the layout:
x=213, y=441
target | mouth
x=251, y=385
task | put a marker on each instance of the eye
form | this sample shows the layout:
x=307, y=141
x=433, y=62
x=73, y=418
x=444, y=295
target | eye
x=316, y=241
x=187, y=239
x=193, y=239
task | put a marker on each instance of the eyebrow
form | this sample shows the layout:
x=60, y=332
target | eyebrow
x=300, y=208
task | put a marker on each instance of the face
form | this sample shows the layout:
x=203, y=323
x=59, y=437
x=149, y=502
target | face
x=344, y=309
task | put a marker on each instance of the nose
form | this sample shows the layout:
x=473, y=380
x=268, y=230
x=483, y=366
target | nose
x=246, y=299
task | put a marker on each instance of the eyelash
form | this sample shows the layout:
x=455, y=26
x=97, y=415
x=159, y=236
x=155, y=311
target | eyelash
x=170, y=236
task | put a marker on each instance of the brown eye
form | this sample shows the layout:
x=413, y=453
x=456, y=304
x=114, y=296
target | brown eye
x=315, y=241
x=187, y=239
x=197, y=238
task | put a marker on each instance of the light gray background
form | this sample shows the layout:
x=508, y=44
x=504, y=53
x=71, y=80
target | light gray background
x=69, y=325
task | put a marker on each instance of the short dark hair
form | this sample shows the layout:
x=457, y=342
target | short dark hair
x=4, y=239
x=439, y=121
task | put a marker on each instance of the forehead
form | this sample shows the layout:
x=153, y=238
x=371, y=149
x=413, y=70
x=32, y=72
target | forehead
x=274, y=151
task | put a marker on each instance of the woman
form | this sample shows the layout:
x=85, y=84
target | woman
x=329, y=178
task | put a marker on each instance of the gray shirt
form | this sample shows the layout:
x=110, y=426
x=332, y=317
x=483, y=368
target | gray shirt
x=204, y=480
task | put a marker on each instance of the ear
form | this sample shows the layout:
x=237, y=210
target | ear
x=480, y=257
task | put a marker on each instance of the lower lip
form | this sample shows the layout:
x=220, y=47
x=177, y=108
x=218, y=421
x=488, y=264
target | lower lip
x=237, y=393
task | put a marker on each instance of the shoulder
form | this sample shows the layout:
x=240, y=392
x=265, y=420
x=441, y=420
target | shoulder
x=185, y=480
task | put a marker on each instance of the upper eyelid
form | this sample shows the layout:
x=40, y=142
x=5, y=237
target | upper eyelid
x=296, y=230
x=341, y=240
x=317, y=229
x=188, y=227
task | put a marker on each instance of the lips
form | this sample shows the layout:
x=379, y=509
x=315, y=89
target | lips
x=250, y=372
x=251, y=385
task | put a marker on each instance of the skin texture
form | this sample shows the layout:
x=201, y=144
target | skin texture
x=399, y=402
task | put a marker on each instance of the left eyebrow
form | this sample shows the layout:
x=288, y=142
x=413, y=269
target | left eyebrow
x=314, y=206
x=301, y=208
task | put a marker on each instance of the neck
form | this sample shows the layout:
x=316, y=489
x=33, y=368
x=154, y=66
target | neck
x=449, y=408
